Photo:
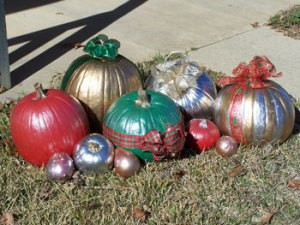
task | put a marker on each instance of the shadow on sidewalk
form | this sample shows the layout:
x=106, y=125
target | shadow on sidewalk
x=90, y=27
x=12, y=6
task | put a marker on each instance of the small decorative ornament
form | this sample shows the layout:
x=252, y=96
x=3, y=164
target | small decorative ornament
x=226, y=146
x=94, y=153
x=45, y=122
x=190, y=87
x=60, y=167
x=146, y=123
x=126, y=163
x=202, y=134
x=100, y=77
x=253, y=109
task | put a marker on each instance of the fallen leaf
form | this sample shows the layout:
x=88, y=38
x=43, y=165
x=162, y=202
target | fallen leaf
x=267, y=218
x=8, y=101
x=78, y=45
x=179, y=173
x=255, y=24
x=93, y=206
x=236, y=171
x=139, y=214
x=294, y=184
x=7, y=219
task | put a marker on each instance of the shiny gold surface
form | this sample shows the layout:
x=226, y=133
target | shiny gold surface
x=226, y=146
x=126, y=163
x=98, y=83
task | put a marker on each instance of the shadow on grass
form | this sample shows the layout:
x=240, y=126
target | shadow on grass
x=296, y=129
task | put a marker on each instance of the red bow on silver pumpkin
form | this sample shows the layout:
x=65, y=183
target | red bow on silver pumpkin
x=162, y=144
x=255, y=73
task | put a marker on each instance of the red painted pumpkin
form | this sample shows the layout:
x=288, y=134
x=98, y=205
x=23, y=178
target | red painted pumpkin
x=202, y=134
x=45, y=122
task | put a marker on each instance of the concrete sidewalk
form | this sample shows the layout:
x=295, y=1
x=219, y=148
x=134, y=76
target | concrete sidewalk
x=41, y=38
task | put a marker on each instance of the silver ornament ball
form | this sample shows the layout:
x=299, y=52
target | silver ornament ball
x=94, y=154
x=60, y=167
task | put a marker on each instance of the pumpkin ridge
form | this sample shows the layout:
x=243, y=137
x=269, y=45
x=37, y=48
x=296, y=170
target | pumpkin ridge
x=271, y=116
x=78, y=116
x=247, y=114
x=278, y=117
x=52, y=117
x=24, y=143
x=121, y=78
x=72, y=68
x=287, y=111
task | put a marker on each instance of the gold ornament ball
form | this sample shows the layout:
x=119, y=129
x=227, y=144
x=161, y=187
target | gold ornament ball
x=126, y=163
x=226, y=146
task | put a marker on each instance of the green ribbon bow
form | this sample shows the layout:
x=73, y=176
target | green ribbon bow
x=102, y=47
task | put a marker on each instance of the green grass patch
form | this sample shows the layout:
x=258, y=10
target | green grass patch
x=287, y=21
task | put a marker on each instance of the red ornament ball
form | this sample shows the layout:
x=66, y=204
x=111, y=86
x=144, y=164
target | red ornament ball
x=46, y=122
x=202, y=134
x=226, y=146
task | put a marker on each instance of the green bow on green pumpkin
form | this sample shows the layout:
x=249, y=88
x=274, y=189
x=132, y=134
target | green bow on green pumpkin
x=102, y=47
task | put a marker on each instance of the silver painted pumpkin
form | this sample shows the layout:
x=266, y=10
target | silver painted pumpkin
x=253, y=109
x=191, y=88
x=255, y=116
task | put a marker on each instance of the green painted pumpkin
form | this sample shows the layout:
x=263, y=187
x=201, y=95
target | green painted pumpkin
x=146, y=123
x=100, y=77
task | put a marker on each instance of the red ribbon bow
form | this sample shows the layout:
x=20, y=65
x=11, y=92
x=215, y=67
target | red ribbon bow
x=255, y=73
x=162, y=144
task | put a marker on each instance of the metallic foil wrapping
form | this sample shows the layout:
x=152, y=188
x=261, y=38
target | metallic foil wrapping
x=191, y=88
x=255, y=116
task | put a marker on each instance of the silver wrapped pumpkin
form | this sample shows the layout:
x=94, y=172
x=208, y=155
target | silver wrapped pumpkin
x=191, y=88
x=253, y=109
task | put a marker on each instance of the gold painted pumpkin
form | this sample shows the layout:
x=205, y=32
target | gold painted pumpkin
x=100, y=77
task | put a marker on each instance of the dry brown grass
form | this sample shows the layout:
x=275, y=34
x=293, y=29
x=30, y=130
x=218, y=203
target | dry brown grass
x=252, y=187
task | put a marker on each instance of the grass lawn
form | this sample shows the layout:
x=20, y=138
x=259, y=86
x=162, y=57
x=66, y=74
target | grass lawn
x=287, y=21
x=255, y=186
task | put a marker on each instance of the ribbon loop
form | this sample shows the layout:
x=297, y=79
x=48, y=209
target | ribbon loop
x=167, y=144
x=161, y=145
x=175, y=76
x=102, y=47
x=254, y=73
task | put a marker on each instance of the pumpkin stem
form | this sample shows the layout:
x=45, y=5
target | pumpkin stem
x=203, y=124
x=78, y=45
x=94, y=147
x=40, y=93
x=142, y=100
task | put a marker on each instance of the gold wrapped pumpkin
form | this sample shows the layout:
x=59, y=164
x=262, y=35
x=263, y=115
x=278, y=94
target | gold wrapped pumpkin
x=100, y=77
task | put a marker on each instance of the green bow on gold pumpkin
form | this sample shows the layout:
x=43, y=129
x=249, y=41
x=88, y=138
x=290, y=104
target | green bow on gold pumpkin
x=102, y=47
